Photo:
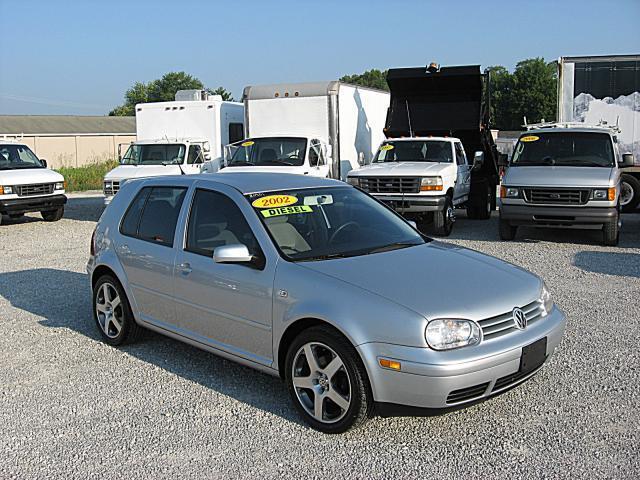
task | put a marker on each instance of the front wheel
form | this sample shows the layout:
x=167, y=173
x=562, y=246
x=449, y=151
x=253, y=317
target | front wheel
x=53, y=215
x=629, y=193
x=443, y=219
x=611, y=232
x=327, y=381
x=506, y=230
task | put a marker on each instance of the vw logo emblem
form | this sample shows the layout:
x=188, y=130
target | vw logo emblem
x=519, y=318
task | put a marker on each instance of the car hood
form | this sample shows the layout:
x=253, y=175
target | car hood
x=550, y=176
x=29, y=175
x=438, y=280
x=138, y=171
x=402, y=168
x=267, y=169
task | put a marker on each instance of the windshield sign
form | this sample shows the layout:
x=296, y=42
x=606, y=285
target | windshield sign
x=335, y=222
x=13, y=157
x=152, y=154
x=268, y=151
x=415, y=151
x=575, y=149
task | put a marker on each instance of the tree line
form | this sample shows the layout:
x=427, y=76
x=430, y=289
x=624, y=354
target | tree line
x=529, y=91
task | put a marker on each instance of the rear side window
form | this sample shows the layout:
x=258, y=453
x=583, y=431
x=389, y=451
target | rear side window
x=153, y=214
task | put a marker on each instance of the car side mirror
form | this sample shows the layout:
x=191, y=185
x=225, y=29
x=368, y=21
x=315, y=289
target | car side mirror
x=361, y=160
x=503, y=160
x=627, y=160
x=44, y=162
x=234, y=253
x=478, y=160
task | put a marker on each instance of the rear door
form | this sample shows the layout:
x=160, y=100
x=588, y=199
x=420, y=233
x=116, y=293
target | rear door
x=463, y=179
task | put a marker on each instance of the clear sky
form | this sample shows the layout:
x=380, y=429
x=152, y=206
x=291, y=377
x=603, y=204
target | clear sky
x=79, y=56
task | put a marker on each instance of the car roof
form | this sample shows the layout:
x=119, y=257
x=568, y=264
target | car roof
x=253, y=182
x=567, y=130
x=421, y=139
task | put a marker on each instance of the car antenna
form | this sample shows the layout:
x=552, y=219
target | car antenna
x=406, y=102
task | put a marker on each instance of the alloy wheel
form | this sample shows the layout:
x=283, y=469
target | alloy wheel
x=626, y=194
x=109, y=310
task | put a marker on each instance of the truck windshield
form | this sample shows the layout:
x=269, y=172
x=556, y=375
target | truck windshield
x=575, y=149
x=334, y=222
x=282, y=151
x=17, y=156
x=415, y=151
x=154, y=154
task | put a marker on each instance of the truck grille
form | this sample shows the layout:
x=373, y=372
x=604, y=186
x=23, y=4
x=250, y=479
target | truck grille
x=34, y=189
x=556, y=196
x=390, y=184
x=111, y=188
x=500, y=325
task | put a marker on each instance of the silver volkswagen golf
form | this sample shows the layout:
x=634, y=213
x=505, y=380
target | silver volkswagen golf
x=315, y=281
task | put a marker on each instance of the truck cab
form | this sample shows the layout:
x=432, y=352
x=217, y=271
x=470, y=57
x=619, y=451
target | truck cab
x=297, y=155
x=564, y=175
x=420, y=177
x=27, y=185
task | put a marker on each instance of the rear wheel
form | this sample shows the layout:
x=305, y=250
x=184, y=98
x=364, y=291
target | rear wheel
x=53, y=215
x=507, y=231
x=480, y=203
x=629, y=193
x=443, y=219
x=611, y=232
x=112, y=312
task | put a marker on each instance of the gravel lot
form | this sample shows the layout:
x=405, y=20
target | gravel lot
x=75, y=407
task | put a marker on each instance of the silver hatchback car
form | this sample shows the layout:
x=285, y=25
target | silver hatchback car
x=317, y=282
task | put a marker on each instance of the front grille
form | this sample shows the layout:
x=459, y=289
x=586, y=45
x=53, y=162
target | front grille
x=34, y=189
x=111, y=188
x=511, y=379
x=556, y=196
x=467, y=393
x=500, y=325
x=390, y=184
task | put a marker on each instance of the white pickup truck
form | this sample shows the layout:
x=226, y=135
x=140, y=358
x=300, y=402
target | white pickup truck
x=27, y=185
x=420, y=177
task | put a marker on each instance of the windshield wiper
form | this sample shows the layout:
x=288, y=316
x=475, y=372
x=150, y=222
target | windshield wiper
x=393, y=246
x=328, y=256
x=240, y=162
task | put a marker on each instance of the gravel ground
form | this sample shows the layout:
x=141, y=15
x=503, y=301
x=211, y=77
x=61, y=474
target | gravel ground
x=72, y=406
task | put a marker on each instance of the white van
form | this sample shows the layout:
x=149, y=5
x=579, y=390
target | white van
x=27, y=185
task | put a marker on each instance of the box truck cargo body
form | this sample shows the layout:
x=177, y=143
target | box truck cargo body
x=606, y=90
x=318, y=128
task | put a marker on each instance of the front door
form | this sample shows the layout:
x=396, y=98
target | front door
x=318, y=159
x=195, y=160
x=463, y=178
x=227, y=306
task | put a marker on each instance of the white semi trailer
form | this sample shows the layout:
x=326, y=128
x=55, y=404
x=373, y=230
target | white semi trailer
x=322, y=128
x=606, y=90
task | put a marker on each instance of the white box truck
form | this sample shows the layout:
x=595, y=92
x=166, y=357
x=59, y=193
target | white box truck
x=605, y=90
x=180, y=137
x=322, y=128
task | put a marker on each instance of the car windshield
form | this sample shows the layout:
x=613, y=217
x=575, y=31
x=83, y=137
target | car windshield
x=273, y=151
x=17, y=156
x=154, y=154
x=415, y=151
x=575, y=149
x=333, y=222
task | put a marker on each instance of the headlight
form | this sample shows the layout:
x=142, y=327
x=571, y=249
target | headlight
x=6, y=190
x=509, y=192
x=430, y=183
x=445, y=334
x=353, y=181
x=59, y=186
x=604, y=194
x=545, y=300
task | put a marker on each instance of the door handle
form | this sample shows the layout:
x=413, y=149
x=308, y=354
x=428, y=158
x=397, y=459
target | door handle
x=185, y=268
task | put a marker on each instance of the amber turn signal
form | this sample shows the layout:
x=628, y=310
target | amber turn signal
x=391, y=364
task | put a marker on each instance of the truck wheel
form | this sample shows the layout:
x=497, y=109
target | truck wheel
x=507, y=231
x=479, y=205
x=443, y=219
x=423, y=221
x=611, y=232
x=53, y=215
x=629, y=193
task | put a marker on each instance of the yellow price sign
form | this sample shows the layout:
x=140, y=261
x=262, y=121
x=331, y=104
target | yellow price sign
x=272, y=201
x=530, y=138
x=386, y=147
x=248, y=143
x=294, y=209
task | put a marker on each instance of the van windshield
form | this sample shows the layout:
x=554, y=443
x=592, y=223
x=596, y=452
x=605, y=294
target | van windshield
x=415, y=151
x=13, y=157
x=154, y=154
x=282, y=151
x=574, y=149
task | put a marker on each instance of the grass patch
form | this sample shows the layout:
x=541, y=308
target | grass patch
x=88, y=177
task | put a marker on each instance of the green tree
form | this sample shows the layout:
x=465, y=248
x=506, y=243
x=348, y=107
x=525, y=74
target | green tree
x=225, y=94
x=371, y=78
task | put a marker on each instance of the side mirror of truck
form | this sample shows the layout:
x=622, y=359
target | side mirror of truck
x=44, y=162
x=361, y=160
x=478, y=160
x=206, y=147
x=503, y=160
x=627, y=160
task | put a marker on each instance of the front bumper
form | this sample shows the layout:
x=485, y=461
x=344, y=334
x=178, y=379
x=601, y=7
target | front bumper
x=413, y=203
x=31, y=204
x=543, y=215
x=428, y=386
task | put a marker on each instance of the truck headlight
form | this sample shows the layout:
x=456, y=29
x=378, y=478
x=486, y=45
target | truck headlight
x=445, y=334
x=353, y=181
x=604, y=194
x=59, y=186
x=509, y=192
x=430, y=183
x=6, y=190
x=545, y=300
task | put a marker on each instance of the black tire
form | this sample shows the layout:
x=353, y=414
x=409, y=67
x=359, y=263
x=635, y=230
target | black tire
x=15, y=216
x=360, y=403
x=611, y=232
x=129, y=330
x=631, y=182
x=443, y=219
x=480, y=203
x=424, y=221
x=53, y=215
x=507, y=231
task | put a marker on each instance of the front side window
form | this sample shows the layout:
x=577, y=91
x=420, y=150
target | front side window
x=324, y=223
x=154, y=154
x=271, y=151
x=195, y=155
x=316, y=155
x=215, y=220
x=414, y=151
x=461, y=158
x=153, y=214
x=14, y=157
x=577, y=149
